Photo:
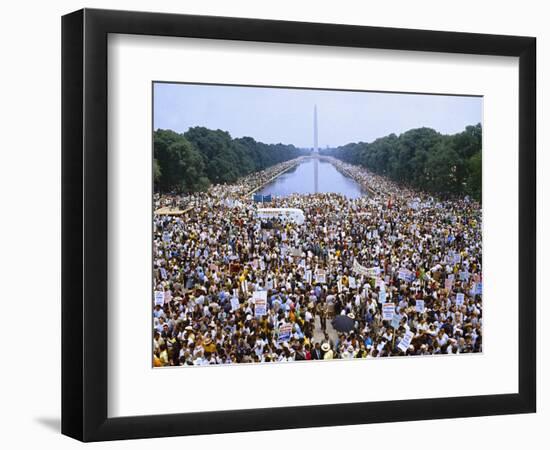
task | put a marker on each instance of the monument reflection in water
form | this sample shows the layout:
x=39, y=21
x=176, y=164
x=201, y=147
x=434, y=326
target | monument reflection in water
x=301, y=180
x=313, y=176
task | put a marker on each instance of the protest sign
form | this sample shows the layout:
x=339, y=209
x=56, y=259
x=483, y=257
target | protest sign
x=448, y=284
x=352, y=283
x=166, y=236
x=320, y=276
x=362, y=270
x=395, y=321
x=159, y=298
x=406, y=341
x=260, y=303
x=285, y=331
x=456, y=257
x=388, y=310
x=464, y=276
x=167, y=296
x=420, y=306
x=307, y=276
x=234, y=303
x=163, y=273
x=459, y=299
x=382, y=297
x=405, y=274
x=373, y=272
x=479, y=288
x=358, y=268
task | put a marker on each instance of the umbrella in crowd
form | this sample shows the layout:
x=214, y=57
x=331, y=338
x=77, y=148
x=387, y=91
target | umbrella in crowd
x=343, y=323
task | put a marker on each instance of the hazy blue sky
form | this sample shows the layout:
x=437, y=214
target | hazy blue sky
x=273, y=115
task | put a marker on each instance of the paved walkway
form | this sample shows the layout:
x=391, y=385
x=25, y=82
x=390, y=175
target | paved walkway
x=318, y=334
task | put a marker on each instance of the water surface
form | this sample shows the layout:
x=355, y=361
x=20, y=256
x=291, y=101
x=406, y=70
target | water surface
x=301, y=180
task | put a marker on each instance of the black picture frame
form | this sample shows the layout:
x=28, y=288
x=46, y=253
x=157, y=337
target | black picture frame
x=84, y=224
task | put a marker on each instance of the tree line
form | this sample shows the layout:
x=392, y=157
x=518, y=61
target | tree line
x=423, y=159
x=191, y=161
x=420, y=158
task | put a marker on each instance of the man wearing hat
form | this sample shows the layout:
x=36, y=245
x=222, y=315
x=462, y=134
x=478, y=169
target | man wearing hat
x=327, y=351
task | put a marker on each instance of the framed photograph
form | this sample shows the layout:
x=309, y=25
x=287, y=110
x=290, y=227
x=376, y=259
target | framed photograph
x=273, y=224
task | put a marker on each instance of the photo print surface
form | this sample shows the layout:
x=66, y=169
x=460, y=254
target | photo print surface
x=296, y=224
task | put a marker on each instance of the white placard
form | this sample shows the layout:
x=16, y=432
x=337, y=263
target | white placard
x=388, y=310
x=159, y=298
x=320, y=276
x=163, y=273
x=406, y=341
x=365, y=271
x=405, y=274
x=260, y=303
x=308, y=276
x=234, y=303
x=285, y=331
x=479, y=288
x=396, y=320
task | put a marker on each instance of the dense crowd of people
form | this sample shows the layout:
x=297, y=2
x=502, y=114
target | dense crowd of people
x=403, y=267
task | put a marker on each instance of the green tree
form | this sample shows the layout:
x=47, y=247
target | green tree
x=157, y=173
x=473, y=185
x=423, y=159
x=181, y=167
x=441, y=168
x=189, y=162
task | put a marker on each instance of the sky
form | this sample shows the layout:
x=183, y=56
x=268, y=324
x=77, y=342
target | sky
x=278, y=115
